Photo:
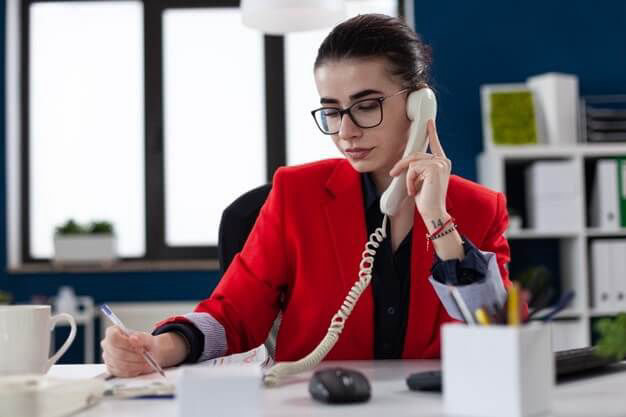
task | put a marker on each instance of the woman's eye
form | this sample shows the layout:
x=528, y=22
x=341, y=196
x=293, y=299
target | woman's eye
x=367, y=106
x=330, y=113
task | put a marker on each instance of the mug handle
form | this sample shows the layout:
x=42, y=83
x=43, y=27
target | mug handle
x=54, y=320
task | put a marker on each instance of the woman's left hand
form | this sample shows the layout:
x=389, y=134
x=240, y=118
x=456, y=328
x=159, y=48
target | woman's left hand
x=427, y=176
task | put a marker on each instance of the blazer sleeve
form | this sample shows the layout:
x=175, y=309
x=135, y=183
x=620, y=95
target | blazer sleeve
x=247, y=299
x=490, y=288
x=496, y=242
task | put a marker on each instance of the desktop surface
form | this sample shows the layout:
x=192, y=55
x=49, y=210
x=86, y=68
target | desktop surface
x=599, y=396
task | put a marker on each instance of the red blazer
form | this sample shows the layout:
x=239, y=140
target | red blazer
x=308, y=240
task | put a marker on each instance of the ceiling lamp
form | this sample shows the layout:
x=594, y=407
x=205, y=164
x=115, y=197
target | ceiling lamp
x=277, y=17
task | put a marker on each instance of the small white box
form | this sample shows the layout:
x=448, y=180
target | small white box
x=557, y=102
x=552, y=196
x=495, y=371
x=225, y=391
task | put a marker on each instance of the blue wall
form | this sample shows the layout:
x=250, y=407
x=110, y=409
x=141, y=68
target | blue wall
x=477, y=43
x=473, y=44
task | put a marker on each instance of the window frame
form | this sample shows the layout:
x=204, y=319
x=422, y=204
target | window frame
x=154, y=204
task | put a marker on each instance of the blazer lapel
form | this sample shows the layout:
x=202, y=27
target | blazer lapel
x=346, y=225
x=346, y=220
x=424, y=306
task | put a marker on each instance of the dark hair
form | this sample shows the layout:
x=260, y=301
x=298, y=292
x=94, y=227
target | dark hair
x=378, y=35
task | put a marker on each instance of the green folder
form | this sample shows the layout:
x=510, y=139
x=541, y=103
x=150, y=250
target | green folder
x=621, y=189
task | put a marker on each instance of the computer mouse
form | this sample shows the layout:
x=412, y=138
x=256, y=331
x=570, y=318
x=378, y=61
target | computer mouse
x=339, y=385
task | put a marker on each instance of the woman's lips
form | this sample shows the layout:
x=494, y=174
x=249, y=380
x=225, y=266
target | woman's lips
x=358, y=153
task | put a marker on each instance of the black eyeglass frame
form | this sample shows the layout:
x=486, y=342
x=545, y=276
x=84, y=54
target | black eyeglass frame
x=348, y=110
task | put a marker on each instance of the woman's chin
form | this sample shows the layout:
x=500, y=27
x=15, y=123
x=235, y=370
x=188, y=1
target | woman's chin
x=362, y=166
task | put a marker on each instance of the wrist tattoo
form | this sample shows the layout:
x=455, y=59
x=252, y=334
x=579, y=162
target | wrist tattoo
x=437, y=223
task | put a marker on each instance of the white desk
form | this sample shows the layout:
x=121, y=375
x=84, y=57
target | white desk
x=601, y=396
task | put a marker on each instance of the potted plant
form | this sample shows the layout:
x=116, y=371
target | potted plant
x=612, y=342
x=76, y=243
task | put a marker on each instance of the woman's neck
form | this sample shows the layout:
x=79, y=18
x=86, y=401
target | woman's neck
x=381, y=179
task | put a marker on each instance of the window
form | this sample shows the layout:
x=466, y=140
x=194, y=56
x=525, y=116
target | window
x=214, y=119
x=155, y=115
x=86, y=120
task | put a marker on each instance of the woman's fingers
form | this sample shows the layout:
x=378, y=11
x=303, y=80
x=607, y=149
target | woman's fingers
x=435, y=147
x=433, y=140
x=418, y=171
x=414, y=179
x=116, y=369
x=141, y=341
x=124, y=365
x=404, y=163
x=123, y=354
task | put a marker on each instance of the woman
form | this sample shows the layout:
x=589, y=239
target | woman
x=306, y=245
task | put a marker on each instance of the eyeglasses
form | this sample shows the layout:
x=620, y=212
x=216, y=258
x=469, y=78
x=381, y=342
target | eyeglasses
x=364, y=113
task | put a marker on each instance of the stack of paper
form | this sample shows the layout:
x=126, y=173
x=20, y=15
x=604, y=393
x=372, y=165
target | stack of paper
x=605, y=118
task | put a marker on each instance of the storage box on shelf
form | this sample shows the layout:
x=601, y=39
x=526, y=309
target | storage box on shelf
x=506, y=169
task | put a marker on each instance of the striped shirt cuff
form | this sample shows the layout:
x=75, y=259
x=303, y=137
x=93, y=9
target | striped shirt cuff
x=215, y=344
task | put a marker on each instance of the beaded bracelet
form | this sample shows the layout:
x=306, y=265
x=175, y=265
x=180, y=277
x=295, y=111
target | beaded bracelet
x=442, y=234
x=432, y=237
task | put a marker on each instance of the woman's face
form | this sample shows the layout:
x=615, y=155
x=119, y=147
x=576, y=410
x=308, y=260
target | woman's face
x=343, y=82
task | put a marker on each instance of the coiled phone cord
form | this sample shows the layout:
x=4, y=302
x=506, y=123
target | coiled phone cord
x=275, y=373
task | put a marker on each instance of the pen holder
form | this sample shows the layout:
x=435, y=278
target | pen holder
x=495, y=371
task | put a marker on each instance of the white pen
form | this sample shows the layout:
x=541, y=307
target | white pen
x=147, y=356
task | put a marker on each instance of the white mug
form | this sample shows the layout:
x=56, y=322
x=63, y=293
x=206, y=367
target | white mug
x=25, y=338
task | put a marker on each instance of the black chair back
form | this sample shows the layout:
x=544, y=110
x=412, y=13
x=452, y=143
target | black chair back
x=236, y=223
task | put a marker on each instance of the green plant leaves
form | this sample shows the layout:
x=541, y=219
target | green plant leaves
x=71, y=227
x=612, y=337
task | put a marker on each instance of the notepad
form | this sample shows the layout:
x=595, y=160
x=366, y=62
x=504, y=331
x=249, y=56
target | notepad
x=133, y=388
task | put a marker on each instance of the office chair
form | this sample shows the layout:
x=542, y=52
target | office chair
x=235, y=226
x=236, y=223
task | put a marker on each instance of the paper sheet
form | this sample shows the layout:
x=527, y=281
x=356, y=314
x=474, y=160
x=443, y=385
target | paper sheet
x=154, y=385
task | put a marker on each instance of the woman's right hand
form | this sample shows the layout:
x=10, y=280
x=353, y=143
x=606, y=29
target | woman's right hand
x=123, y=355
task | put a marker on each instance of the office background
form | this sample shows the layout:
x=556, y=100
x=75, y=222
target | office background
x=473, y=44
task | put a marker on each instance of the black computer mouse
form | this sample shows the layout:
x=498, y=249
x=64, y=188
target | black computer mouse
x=339, y=385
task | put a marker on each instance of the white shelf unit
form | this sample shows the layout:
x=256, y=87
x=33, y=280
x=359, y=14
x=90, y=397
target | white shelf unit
x=572, y=328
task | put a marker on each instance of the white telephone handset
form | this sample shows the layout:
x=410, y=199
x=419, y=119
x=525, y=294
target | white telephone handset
x=421, y=106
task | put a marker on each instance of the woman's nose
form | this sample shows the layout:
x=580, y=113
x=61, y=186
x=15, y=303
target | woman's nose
x=348, y=128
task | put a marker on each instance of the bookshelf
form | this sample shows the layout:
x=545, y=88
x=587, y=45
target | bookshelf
x=502, y=168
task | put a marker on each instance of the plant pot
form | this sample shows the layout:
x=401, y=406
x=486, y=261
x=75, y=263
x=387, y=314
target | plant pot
x=81, y=249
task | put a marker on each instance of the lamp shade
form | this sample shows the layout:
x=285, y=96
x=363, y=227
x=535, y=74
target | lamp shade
x=283, y=16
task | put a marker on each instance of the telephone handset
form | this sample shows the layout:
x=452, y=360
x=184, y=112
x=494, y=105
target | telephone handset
x=421, y=106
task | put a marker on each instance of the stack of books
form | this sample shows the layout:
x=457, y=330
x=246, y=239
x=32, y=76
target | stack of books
x=604, y=118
